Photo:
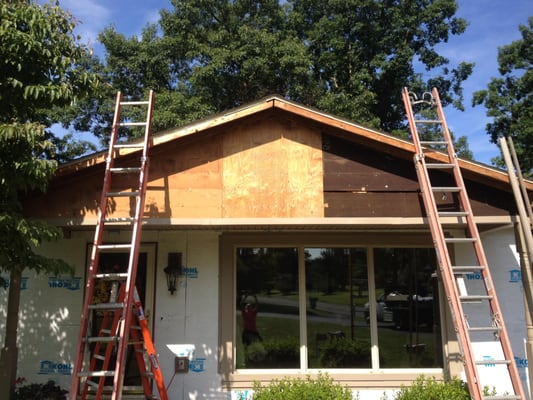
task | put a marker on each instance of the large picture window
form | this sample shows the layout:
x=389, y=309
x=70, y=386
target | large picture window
x=310, y=308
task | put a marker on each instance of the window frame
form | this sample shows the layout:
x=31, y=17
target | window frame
x=374, y=377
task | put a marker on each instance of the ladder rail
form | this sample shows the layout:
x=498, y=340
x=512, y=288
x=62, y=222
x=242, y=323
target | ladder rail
x=446, y=269
x=133, y=261
x=95, y=253
x=480, y=253
x=119, y=315
x=443, y=257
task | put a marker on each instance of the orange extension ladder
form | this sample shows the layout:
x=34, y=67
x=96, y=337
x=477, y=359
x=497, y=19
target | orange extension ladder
x=123, y=323
x=476, y=313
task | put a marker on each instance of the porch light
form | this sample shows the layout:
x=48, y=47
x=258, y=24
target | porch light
x=173, y=271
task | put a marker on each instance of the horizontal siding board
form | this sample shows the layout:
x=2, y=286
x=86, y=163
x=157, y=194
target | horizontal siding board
x=372, y=204
x=352, y=167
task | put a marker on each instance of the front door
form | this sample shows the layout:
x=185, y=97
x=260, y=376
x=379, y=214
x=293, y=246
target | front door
x=116, y=262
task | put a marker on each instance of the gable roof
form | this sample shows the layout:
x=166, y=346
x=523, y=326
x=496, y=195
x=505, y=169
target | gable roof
x=350, y=130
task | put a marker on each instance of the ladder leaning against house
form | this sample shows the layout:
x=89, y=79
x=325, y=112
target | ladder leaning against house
x=448, y=207
x=123, y=323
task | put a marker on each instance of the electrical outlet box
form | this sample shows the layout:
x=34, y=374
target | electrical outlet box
x=181, y=365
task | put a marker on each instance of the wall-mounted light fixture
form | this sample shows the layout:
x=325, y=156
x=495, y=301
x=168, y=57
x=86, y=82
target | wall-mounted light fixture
x=173, y=271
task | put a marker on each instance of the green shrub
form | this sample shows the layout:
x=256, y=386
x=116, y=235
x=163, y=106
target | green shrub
x=321, y=388
x=431, y=389
x=40, y=391
x=344, y=353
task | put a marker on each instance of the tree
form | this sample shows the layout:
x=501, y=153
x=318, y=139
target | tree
x=364, y=52
x=509, y=98
x=348, y=57
x=38, y=72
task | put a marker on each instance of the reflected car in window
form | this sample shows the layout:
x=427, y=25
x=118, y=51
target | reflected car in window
x=383, y=312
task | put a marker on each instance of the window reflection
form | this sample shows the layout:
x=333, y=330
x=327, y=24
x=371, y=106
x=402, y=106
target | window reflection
x=406, y=308
x=337, y=289
x=267, y=308
x=339, y=316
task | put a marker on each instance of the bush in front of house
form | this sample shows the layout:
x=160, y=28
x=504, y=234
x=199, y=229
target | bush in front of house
x=431, y=389
x=40, y=391
x=321, y=388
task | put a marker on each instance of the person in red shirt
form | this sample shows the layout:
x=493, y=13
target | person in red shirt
x=249, y=319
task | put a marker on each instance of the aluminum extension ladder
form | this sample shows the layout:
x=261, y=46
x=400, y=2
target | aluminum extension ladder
x=123, y=323
x=475, y=309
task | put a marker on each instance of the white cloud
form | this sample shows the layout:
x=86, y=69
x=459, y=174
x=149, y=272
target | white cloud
x=87, y=10
x=91, y=16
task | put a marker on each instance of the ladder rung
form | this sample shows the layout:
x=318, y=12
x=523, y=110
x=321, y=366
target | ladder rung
x=484, y=328
x=117, y=220
x=112, y=277
x=135, y=103
x=127, y=170
x=475, y=297
x=459, y=240
x=106, y=306
x=500, y=362
x=90, y=374
x=439, y=165
x=114, y=246
x=128, y=146
x=467, y=268
x=453, y=214
x=428, y=121
x=132, y=124
x=92, y=383
x=122, y=194
x=99, y=357
x=434, y=142
x=503, y=397
x=101, y=339
x=446, y=189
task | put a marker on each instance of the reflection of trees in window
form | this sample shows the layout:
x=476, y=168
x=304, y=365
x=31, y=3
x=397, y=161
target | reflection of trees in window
x=337, y=318
x=408, y=318
x=405, y=270
x=337, y=289
x=264, y=270
x=269, y=275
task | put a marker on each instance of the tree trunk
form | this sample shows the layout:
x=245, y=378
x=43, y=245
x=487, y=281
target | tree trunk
x=9, y=354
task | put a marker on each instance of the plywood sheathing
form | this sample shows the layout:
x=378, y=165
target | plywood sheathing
x=272, y=168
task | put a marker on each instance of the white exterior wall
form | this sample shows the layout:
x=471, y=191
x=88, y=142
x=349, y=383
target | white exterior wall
x=49, y=311
x=48, y=318
x=190, y=316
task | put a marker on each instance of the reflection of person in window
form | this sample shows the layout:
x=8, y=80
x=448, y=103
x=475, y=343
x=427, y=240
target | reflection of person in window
x=249, y=318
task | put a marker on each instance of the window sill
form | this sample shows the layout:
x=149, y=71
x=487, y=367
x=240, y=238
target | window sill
x=353, y=378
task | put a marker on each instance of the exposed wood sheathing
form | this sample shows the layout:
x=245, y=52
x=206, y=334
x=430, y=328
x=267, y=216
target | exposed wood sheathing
x=272, y=169
x=270, y=159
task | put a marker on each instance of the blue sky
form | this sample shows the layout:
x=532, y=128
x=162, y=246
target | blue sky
x=493, y=23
